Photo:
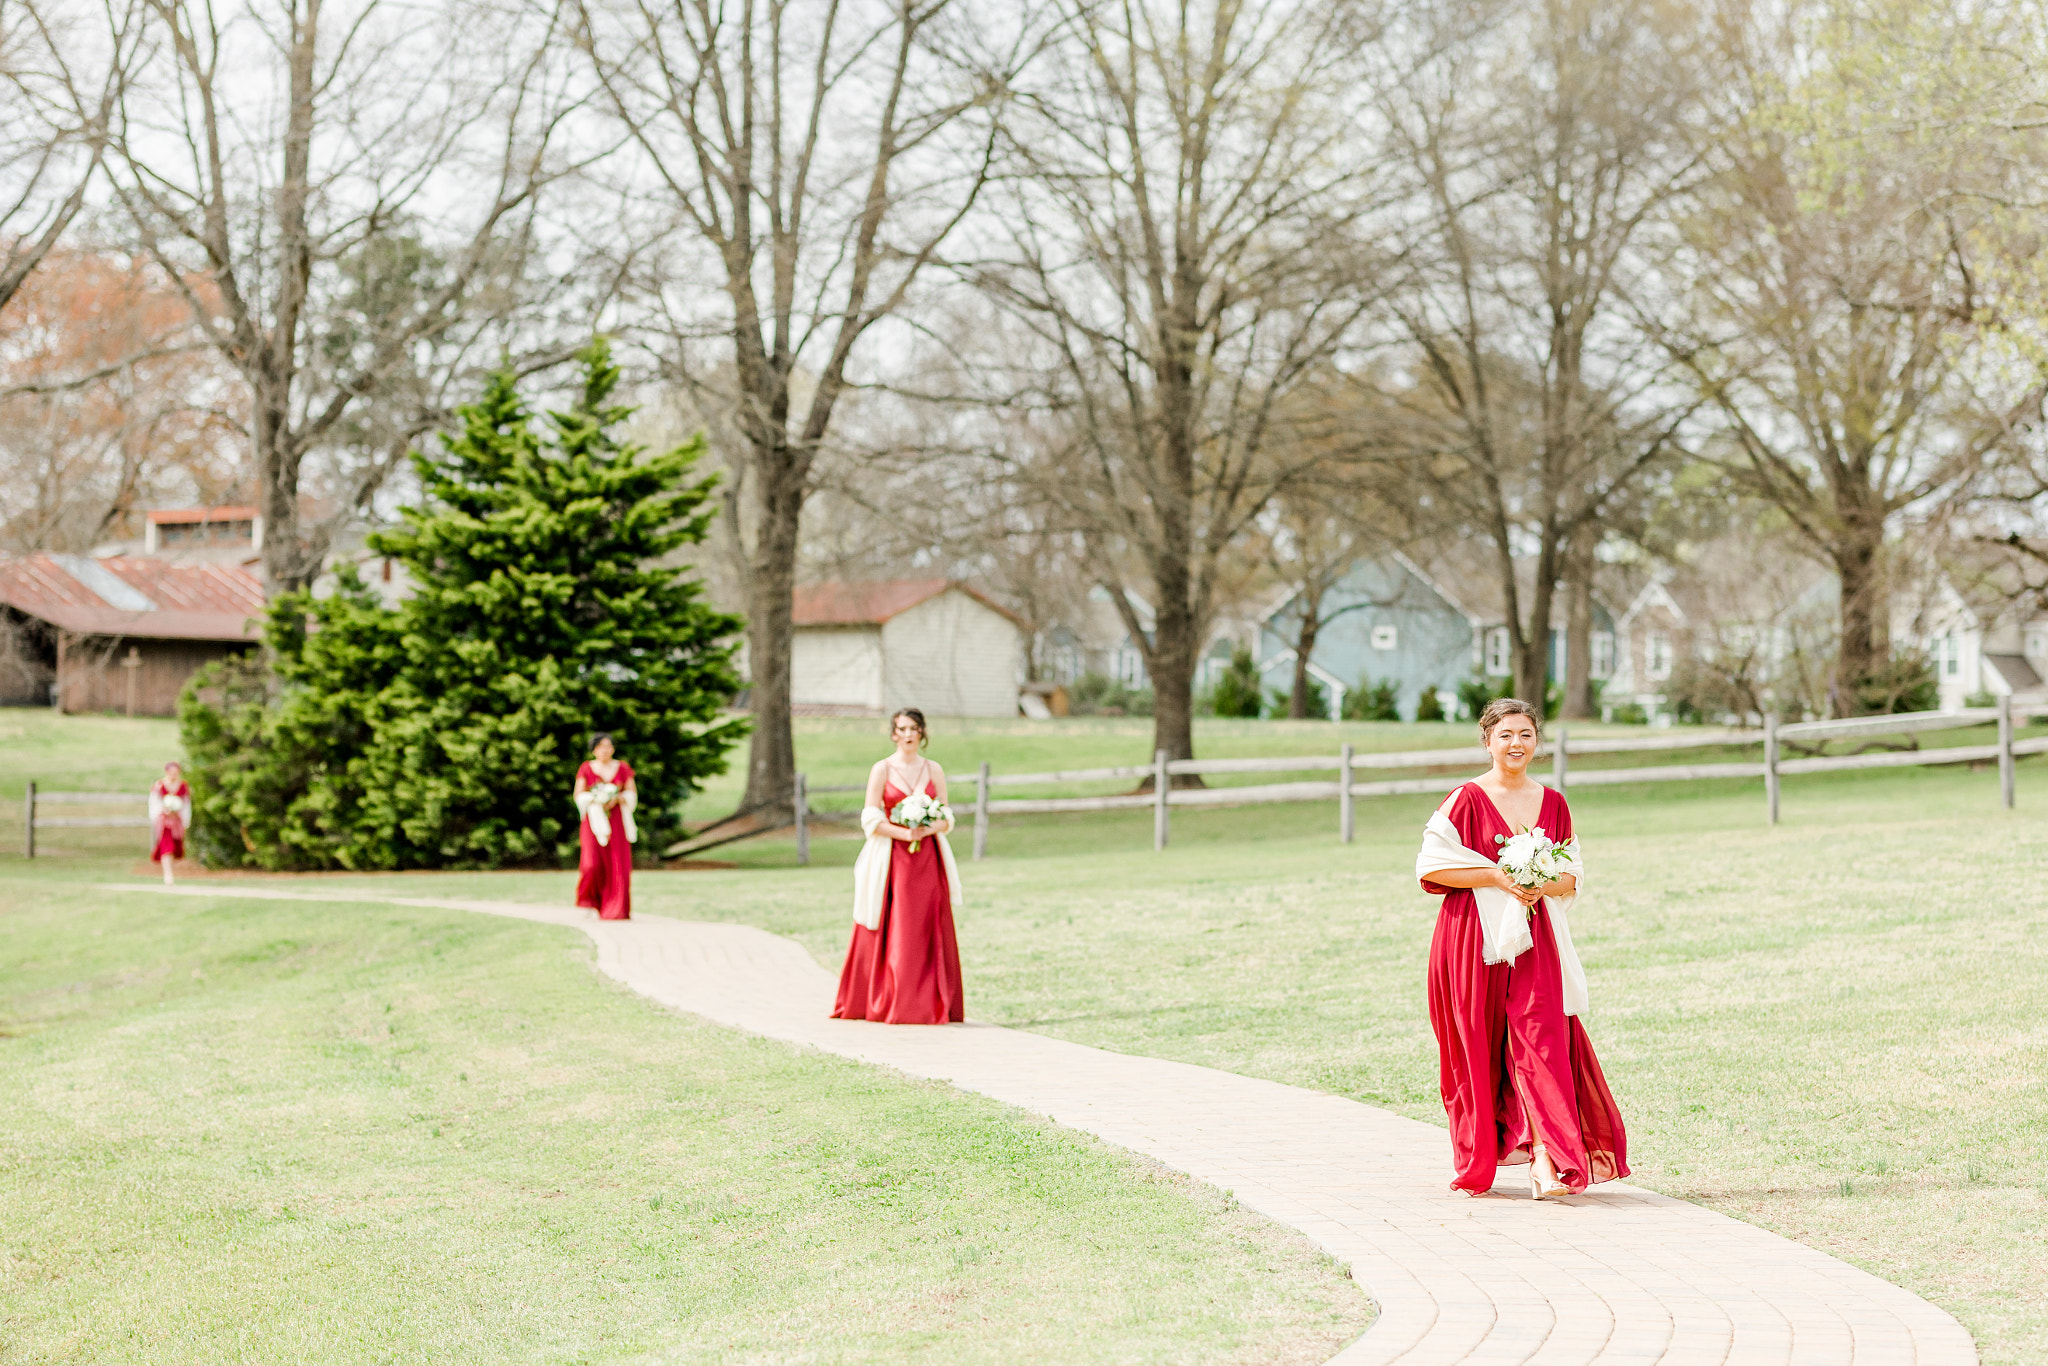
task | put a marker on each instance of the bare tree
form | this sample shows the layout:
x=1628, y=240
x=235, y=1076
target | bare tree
x=811, y=157
x=1182, y=221
x=361, y=215
x=1835, y=322
x=60, y=81
x=1544, y=399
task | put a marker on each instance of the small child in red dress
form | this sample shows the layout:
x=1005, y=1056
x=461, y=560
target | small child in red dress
x=170, y=804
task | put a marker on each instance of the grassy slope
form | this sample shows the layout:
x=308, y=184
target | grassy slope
x=1832, y=1029
x=258, y=1131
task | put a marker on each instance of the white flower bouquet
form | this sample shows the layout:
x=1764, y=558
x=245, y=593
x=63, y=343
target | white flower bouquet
x=1533, y=859
x=918, y=811
x=173, y=803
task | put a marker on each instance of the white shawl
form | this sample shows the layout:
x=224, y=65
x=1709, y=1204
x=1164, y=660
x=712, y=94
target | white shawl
x=1503, y=924
x=588, y=808
x=871, y=870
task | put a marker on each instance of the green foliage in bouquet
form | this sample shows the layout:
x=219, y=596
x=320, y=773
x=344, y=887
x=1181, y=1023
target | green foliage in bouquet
x=445, y=732
x=1237, y=688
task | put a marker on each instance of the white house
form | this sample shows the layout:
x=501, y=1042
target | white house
x=863, y=649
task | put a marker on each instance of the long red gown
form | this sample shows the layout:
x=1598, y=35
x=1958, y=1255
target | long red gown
x=1516, y=1069
x=168, y=836
x=604, y=880
x=907, y=969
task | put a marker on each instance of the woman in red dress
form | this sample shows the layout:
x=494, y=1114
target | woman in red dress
x=605, y=798
x=903, y=966
x=1520, y=1081
x=170, y=802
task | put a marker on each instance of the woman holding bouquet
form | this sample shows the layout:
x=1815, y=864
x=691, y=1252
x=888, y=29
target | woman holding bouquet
x=605, y=798
x=170, y=799
x=903, y=966
x=1506, y=991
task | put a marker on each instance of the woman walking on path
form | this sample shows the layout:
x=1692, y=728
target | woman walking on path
x=903, y=966
x=605, y=799
x=1506, y=991
x=170, y=797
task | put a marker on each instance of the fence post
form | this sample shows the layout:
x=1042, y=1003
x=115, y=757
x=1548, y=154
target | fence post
x=1771, y=765
x=1558, y=762
x=981, y=815
x=1345, y=824
x=28, y=821
x=1160, y=782
x=803, y=823
x=2005, y=748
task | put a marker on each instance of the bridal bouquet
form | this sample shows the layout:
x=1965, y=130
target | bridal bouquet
x=917, y=811
x=173, y=804
x=1532, y=858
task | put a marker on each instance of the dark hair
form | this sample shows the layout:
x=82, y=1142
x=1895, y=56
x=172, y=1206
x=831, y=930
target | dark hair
x=596, y=739
x=916, y=719
x=1500, y=709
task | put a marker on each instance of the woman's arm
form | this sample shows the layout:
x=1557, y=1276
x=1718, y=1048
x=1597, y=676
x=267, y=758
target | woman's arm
x=939, y=780
x=878, y=778
x=1490, y=877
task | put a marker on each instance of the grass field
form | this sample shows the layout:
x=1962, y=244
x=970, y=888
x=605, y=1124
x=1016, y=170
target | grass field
x=257, y=1132
x=1833, y=1029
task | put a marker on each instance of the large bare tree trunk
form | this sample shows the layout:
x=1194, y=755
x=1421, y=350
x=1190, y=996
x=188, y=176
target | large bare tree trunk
x=1578, y=637
x=1865, y=645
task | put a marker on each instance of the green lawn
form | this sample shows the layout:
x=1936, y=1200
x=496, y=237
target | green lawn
x=1834, y=1029
x=263, y=1132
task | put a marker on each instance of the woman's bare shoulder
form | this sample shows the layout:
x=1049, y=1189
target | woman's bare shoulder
x=937, y=767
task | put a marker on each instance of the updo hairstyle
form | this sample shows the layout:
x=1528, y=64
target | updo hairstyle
x=1500, y=709
x=916, y=719
x=599, y=739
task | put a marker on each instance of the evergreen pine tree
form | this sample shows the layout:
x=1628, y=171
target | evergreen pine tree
x=446, y=732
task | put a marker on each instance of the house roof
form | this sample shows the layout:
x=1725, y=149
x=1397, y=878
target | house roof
x=124, y=595
x=871, y=604
x=176, y=516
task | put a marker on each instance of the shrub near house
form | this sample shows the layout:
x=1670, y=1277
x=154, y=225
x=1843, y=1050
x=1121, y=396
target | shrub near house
x=445, y=731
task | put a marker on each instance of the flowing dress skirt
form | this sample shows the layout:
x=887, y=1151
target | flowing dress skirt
x=907, y=969
x=604, y=880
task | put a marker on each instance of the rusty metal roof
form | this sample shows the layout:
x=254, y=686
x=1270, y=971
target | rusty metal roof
x=871, y=604
x=126, y=595
x=173, y=516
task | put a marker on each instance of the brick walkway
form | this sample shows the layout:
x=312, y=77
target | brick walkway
x=1616, y=1275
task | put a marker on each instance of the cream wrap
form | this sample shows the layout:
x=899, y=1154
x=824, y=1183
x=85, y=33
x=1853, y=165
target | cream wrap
x=871, y=870
x=590, y=809
x=1503, y=924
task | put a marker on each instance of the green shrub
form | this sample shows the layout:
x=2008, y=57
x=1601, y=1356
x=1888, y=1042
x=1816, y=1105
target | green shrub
x=1318, y=708
x=1371, y=701
x=1629, y=714
x=1981, y=699
x=1094, y=694
x=1236, y=692
x=1907, y=683
x=445, y=732
x=1430, y=706
x=1475, y=692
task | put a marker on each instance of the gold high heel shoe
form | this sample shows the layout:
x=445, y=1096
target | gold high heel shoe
x=1543, y=1182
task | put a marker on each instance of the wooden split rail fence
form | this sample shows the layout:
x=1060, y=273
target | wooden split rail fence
x=1345, y=788
x=33, y=819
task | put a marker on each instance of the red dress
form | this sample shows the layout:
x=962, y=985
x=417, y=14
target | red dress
x=168, y=833
x=907, y=969
x=605, y=880
x=1516, y=1069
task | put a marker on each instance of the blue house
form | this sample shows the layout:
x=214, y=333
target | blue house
x=1385, y=619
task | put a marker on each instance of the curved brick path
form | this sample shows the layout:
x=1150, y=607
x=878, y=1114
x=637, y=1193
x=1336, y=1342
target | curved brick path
x=1616, y=1275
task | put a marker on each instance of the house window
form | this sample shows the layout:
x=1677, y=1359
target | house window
x=1603, y=654
x=1497, y=650
x=1658, y=664
x=1385, y=637
x=1954, y=655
